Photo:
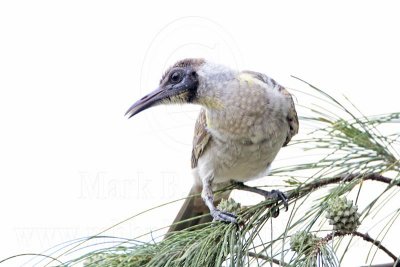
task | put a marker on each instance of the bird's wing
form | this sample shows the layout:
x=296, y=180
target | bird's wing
x=201, y=137
x=292, y=119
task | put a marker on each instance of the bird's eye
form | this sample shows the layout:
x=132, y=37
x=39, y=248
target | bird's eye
x=176, y=77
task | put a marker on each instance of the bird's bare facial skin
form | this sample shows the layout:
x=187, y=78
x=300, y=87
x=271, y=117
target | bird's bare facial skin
x=182, y=84
x=178, y=85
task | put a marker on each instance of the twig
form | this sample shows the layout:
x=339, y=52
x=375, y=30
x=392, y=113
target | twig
x=365, y=237
x=302, y=190
x=343, y=178
x=266, y=258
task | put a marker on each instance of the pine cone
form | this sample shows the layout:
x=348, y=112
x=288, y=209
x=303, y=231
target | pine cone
x=303, y=242
x=342, y=214
x=229, y=205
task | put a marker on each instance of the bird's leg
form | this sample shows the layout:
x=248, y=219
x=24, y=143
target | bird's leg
x=208, y=198
x=275, y=194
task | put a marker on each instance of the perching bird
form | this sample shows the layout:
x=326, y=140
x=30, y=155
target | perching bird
x=246, y=118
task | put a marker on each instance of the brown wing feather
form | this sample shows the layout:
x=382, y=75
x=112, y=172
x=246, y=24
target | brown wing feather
x=201, y=137
x=292, y=119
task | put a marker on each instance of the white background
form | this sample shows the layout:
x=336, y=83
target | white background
x=72, y=165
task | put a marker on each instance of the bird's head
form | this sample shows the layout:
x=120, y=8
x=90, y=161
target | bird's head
x=179, y=84
x=190, y=80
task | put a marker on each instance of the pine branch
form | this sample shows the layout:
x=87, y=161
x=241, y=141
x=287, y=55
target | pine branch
x=342, y=178
x=314, y=185
x=365, y=237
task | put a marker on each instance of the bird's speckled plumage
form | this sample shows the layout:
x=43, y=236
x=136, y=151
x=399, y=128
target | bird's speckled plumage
x=238, y=139
x=245, y=120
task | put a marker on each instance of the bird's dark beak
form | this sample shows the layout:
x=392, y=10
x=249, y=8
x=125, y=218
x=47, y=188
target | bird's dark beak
x=146, y=102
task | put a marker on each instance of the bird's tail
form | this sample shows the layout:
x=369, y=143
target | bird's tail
x=194, y=206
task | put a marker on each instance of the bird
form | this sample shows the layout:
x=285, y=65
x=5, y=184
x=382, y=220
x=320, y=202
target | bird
x=246, y=117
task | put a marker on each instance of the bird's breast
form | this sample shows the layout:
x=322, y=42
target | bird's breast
x=247, y=155
x=247, y=132
x=239, y=161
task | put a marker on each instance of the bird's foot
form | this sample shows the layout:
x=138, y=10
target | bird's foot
x=274, y=194
x=223, y=216
x=278, y=195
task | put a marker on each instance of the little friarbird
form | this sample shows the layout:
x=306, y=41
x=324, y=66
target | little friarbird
x=246, y=118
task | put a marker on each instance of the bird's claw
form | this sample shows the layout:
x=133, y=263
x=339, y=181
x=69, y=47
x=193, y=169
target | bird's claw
x=278, y=195
x=275, y=194
x=223, y=216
